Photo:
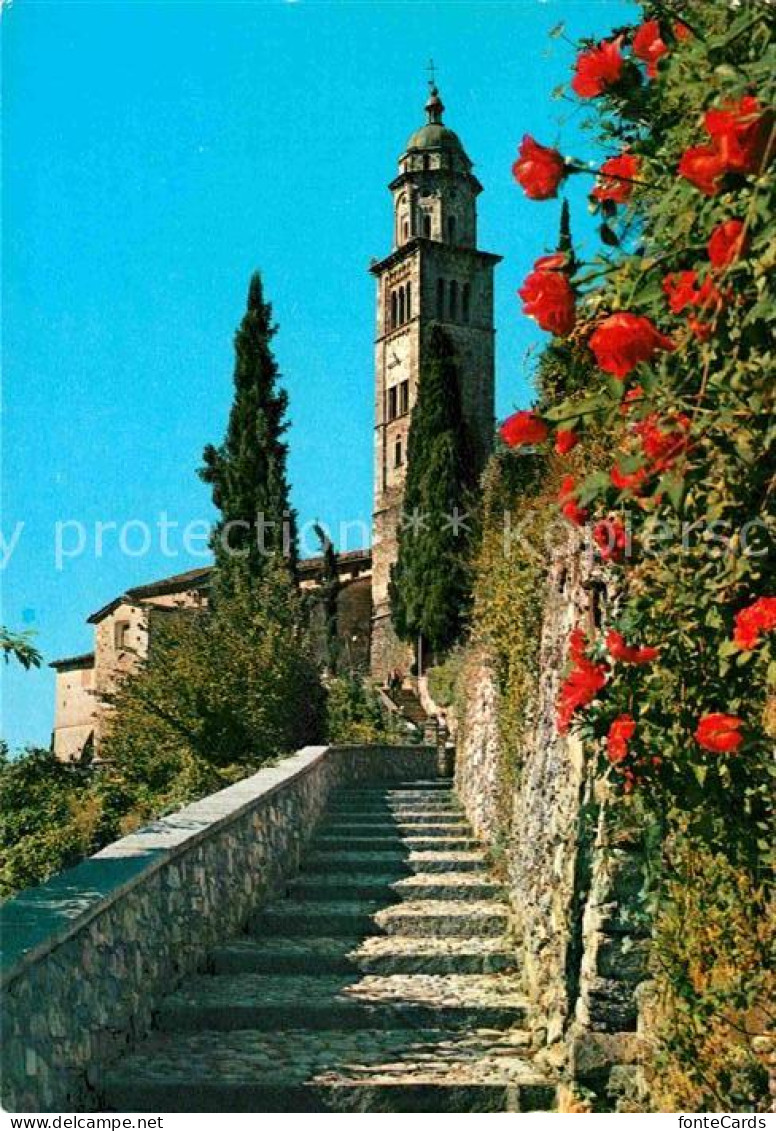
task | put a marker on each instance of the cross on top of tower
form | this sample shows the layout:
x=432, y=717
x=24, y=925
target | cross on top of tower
x=434, y=105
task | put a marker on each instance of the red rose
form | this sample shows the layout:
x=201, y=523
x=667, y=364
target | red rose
x=610, y=184
x=582, y=684
x=680, y=290
x=628, y=481
x=538, y=169
x=684, y=290
x=578, y=645
x=703, y=167
x=648, y=46
x=620, y=733
x=625, y=653
x=624, y=340
x=576, y=514
x=566, y=439
x=663, y=441
x=727, y=243
x=569, y=508
x=611, y=538
x=719, y=733
x=740, y=132
x=523, y=428
x=597, y=69
x=753, y=621
x=548, y=296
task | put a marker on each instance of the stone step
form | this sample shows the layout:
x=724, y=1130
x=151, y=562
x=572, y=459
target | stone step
x=442, y=811
x=268, y=1002
x=329, y=1071
x=382, y=843
x=359, y=918
x=389, y=954
x=395, y=863
x=441, y=885
x=435, y=788
x=423, y=827
x=443, y=918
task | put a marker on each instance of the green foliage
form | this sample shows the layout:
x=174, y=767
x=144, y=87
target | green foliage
x=18, y=646
x=430, y=585
x=221, y=693
x=355, y=715
x=326, y=597
x=48, y=821
x=509, y=591
x=248, y=471
x=713, y=985
x=220, y=690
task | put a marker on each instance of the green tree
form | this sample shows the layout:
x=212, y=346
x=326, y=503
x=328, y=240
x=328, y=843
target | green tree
x=18, y=646
x=221, y=692
x=327, y=597
x=430, y=585
x=247, y=472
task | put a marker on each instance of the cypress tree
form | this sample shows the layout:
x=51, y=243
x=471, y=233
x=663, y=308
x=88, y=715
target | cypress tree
x=247, y=472
x=430, y=587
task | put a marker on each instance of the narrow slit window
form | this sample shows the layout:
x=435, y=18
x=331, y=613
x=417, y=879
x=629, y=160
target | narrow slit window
x=466, y=302
x=453, y=300
x=404, y=397
x=398, y=454
x=440, y=298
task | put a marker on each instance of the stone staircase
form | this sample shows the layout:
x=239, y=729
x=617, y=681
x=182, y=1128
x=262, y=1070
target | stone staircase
x=383, y=982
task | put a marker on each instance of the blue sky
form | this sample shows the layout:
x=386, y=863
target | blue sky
x=154, y=155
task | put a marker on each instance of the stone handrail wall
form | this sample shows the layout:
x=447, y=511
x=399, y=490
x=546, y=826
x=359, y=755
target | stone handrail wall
x=88, y=956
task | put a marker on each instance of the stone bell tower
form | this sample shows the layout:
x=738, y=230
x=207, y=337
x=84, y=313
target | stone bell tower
x=434, y=274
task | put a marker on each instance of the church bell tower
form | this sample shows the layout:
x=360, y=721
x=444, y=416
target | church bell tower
x=434, y=274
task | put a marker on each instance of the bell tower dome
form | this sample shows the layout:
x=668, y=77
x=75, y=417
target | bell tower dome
x=434, y=274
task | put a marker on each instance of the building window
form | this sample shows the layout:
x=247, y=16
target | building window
x=426, y=162
x=392, y=404
x=440, y=298
x=427, y=225
x=397, y=454
x=402, y=311
x=466, y=301
x=409, y=301
x=451, y=229
x=394, y=313
x=404, y=397
x=121, y=634
x=406, y=230
x=453, y=300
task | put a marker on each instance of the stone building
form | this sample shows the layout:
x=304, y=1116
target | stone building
x=434, y=274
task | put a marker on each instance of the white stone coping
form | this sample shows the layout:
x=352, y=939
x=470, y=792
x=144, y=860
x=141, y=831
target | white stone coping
x=37, y=920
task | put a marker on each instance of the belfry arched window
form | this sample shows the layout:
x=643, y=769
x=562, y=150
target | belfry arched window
x=440, y=301
x=427, y=225
x=394, y=310
x=409, y=301
x=401, y=305
x=453, y=300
